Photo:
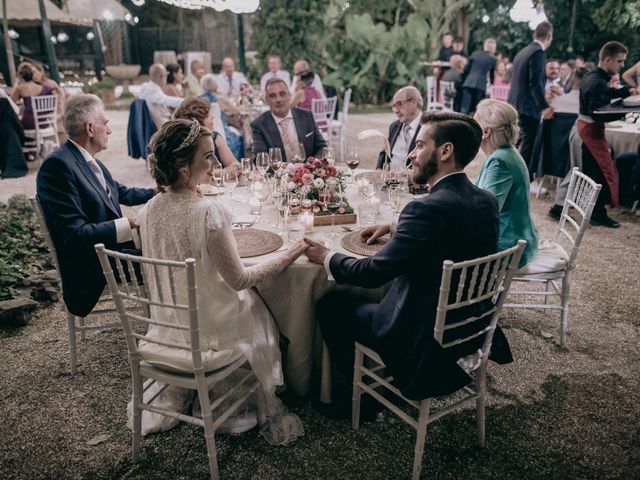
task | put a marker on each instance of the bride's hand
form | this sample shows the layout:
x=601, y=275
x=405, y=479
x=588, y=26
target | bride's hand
x=296, y=250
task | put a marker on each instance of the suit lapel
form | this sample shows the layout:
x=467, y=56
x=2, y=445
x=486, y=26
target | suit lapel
x=395, y=131
x=91, y=177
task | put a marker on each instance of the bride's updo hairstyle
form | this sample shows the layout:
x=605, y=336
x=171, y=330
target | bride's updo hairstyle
x=501, y=118
x=173, y=148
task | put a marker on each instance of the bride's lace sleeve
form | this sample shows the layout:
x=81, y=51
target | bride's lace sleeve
x=221, y=247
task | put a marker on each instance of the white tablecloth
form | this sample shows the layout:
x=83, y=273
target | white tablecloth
x=292, y=296
x=624, y=138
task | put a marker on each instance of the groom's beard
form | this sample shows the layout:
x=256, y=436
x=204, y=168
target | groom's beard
x=423, y=173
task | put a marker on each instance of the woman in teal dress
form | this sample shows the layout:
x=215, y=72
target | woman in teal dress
x=504, y=173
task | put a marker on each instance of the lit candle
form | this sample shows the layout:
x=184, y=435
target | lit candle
x=307, y=219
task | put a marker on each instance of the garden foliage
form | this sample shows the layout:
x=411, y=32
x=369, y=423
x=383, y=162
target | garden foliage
x=24, y=252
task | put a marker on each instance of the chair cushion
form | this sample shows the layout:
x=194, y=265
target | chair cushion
x=180, y=361
x=550, y=257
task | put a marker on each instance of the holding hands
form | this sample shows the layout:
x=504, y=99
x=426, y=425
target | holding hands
x=316, y=251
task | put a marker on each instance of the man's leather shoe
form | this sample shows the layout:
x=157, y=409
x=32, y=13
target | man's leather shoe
x=555, y=212
x=605, y=222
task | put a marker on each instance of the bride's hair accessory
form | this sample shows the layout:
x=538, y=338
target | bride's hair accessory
x=194, y=132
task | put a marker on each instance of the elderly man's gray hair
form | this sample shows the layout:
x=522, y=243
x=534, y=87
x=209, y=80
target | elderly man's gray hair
x=209, y=82
x=413, y=93
x=78, y=111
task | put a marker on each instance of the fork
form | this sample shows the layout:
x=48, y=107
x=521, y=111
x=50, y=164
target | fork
x=346, y=229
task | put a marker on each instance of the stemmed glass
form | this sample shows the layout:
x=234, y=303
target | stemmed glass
x=261, y=189
x=353, y=161
x=230, y=182
x=327, y=154
x=246, y=169
x=275, y=158
x=262, y=162
x=332, y=200
x=281, y=199
x=217, y=177
x=390, y=175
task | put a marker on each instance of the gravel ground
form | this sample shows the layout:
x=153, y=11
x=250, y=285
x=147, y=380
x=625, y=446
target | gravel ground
x=551, y=414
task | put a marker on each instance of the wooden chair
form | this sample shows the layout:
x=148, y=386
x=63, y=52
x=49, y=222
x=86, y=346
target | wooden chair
x=553, y=265
x=200, y=370
x=323, y=112
x=339, y=126
x=482, y=279
x=75, y=324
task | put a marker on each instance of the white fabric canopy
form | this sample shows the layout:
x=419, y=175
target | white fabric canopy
x=79, y=12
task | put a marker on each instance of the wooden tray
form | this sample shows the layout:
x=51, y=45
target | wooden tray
x=322, y=220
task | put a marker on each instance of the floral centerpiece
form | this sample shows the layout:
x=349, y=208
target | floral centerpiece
x=309, y=180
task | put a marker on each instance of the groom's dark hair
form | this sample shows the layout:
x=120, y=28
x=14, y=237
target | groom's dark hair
x=462, y=131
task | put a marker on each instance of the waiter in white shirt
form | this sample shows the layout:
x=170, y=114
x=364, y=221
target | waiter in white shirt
x=407, y=104
x=275, y=71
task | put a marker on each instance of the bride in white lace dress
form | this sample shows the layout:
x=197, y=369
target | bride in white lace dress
x=179, y=223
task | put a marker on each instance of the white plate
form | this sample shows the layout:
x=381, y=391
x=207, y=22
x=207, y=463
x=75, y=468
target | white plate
x=210, y=190
x=633, y=101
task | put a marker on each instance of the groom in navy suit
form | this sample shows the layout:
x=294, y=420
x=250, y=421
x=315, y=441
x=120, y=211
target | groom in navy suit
x=81, y=203
x=457, y=221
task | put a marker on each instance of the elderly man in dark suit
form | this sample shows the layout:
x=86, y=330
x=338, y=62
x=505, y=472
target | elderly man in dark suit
x=430, y=230
x=81, y=203
x=528, y=79
x=481, y=67
x=407, y=105
x=285, y=127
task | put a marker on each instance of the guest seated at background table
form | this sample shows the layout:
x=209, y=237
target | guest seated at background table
x=176, y=84
x=407, y=105
x=194, y=77
x=505, y=175
x=160, y=104
x=430, y=230
x=300, y=67
x=305, y=92
x=632, y=76
x=275, y=71
x=199, y=108
x=231, y=82
x=25, y=90
x=81, y=203
x=285, y=127
x=179, y=223
x=458, y=47
x=221, y=107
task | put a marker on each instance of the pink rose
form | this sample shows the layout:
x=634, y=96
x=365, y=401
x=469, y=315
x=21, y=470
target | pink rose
x=331, y=170
x=307, y=179
x=341, y=210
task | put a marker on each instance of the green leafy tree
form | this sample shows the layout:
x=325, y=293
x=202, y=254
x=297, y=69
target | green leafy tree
x=292, y=29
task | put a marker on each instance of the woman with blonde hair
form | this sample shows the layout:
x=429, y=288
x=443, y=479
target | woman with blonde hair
x=504, y=173
x=179, y=223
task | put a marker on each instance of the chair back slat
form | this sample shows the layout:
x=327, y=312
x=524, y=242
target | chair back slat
x=502, y=266
x=323, y=110
x=121, y=276
x=182, y=301
x=133, y=279
x=45, y=110
x=582, y=195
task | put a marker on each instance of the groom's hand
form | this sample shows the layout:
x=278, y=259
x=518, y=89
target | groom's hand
x=316, y=251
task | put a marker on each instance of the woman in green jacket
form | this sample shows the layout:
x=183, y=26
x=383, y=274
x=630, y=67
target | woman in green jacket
x=504, y=173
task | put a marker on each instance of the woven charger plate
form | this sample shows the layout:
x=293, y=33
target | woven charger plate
x=353, y=243
x=253, y=242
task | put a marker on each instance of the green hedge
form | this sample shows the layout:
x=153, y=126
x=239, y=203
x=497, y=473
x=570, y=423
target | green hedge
x=23, y=251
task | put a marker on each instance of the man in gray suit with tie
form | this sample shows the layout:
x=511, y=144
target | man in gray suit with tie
x=284, y=127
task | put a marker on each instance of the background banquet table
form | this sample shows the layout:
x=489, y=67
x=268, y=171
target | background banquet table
x=291, y=296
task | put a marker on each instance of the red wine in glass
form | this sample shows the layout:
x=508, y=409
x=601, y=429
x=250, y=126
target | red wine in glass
x=353, y=163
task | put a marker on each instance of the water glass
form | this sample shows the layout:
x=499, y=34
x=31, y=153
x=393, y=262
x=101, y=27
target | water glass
x=262, y=162
x=295, y=228
x=366, y=214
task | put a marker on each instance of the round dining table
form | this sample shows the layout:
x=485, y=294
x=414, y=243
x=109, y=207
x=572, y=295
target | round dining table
x=292, y=295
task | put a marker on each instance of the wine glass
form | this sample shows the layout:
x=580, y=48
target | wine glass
x=230, y=182
x=303, y=155
x=281, y=199
x=261, y=189
x=246, y=167
x=217, y=177
x=275, y=158
x=353, y=161
x=332, y=200
x=262, y=162
x=327, y=154
x=394, y=198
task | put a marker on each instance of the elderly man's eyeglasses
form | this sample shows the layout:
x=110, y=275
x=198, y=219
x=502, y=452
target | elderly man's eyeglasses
x=400, y=103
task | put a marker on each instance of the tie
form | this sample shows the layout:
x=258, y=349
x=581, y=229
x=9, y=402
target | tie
x=230, y=84
x=290, y=147
x=406, y=132
x=100, y=176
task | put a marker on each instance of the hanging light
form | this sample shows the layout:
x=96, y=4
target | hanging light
x=53, y=39
x=138, y=3
x=522, y=11
x=540, y=17
x=127, y=16
x=485, y=18
x=62, y=37
x=107, y=15
x=136, y=20
x=90, y=36
x=13, y=35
